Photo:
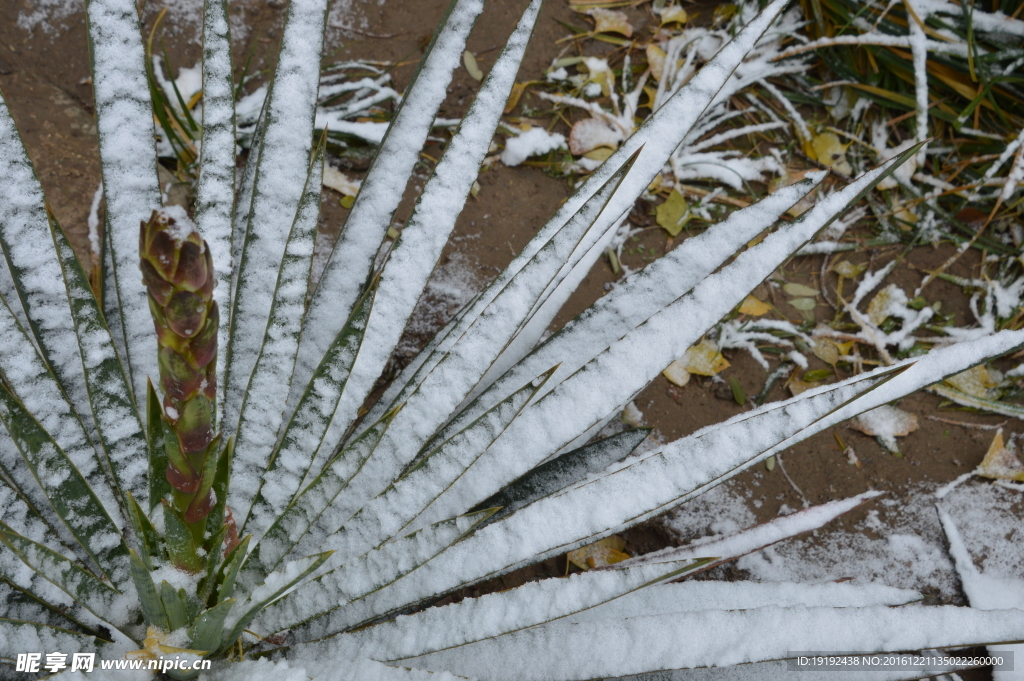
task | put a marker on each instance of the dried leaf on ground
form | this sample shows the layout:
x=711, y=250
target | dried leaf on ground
x=340, y=182
x=656, y=60
x=886, y=423
x=608, y=551
x=885, y=302
x=591, y=133
x=469, y=61
x=826, y=149
x=754, y=307
x=848, y=270
x=673, y=215
x=703, y=359
x=610, y=21
x=1001, y=462
x=794, y=289
x=673, y=14
x=977, y=382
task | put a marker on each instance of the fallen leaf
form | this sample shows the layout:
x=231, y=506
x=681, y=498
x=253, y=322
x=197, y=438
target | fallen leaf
x=800, y=290
x=607, y=551
x=703, y=359
x=340, y=182
x=754, y=307
x=738, y=394
x=848, y=270
x=826, y=149
x=1001, y=462
x=886, y=423
x=803, y=304
x=978, y=382
x=599, y=154
x=673, y=14
x=825, y=350
x=656, y=60
x=673, y=214
x=610, y=21
x=632, y=416
x=469, y=61
x=885, y=302
x=769, y=463
x=816, y=375
x=513, y=97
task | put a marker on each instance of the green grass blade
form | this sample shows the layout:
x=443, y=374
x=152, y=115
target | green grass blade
x=149, y=597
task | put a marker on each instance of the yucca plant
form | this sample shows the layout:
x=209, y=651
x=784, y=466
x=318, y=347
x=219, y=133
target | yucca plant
x=258, y=492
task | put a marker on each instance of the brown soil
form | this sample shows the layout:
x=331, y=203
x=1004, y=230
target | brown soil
x=43, y=77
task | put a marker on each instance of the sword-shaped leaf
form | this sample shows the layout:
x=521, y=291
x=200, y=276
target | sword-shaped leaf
x=339, y=290
x=428, y=228
x=18, y=637
x=281, y=172
x=262, y=405
x=69, y=491
x=215, y=191
x=362, y=576
x=128, y=154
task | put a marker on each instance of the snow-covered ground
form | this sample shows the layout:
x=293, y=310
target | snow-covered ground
x=900, y=543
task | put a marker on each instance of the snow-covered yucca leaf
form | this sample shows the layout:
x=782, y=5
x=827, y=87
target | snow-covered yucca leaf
x=280, y=176
x=128, y=153
x=356, y=516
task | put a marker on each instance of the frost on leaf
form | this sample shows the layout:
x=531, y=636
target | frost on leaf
x=886, y=423
x=610, y=21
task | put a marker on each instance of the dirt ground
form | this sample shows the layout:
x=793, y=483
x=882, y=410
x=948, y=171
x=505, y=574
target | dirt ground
x=44, y=79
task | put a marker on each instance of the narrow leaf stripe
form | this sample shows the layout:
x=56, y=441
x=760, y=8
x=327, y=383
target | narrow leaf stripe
x=28, y=605
x=280, y=177
x=128, y=153
x=565, y=651
x=382, y=190
x=264, y=398
x=18, y=637
x=36, y=271
x=215, y=191
x=426, y=232
x=117, y=418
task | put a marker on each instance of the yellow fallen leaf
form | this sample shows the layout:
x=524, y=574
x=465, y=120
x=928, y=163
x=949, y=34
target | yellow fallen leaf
x=513, y=97
x=753, y=306
x=703, y=359
x=825, y=350
x=608, y=551
x=469, y=61
x=1001, y=462
x=978, y=382
x=656, y=60
x=886, y=423
x=673, y=14
x=803, y=304
x=826, y=149
x=599, y=154
x=610, y=21
x=673, y=214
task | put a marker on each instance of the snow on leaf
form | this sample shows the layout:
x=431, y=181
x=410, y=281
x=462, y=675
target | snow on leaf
x=886, y=423
x=533, y=142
